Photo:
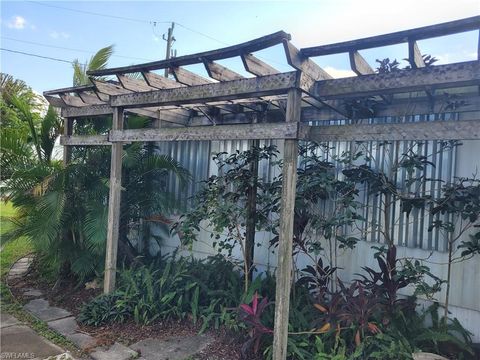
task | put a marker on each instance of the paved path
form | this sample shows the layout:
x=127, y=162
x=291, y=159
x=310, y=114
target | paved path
x=20, y=338
x=18, y=341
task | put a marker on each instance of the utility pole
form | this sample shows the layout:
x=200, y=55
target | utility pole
x=170, y=39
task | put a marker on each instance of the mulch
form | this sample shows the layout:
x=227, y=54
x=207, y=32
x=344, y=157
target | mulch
x=71, y=296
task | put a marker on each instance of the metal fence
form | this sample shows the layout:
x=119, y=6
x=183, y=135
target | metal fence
x=411, y=231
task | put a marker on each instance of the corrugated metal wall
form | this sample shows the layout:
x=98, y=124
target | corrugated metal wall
x=411, y=231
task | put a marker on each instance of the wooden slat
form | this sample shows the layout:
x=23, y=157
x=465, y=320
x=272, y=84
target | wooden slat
x=224, y=53
x=83, y=140
x=188, y=78
x=220, y=72
x=415, y=56
x=265, y=85
x=359, y=65
x=435, y=130
x=256, y=66
x=134, y=84
x=90, y=98
x=427, y=32
x=160, y=82
x=441, y=76
x=72, y=100
x=285, y=231
x=114, y=200
x=220, y=132
x=109, y=88
x=55, y=101
x=304, y=64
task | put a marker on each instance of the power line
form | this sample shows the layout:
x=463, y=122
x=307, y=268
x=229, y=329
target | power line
x=202, y=34
x=97, y=14
x=36, y=55
x=71, y=49
x=151, y=22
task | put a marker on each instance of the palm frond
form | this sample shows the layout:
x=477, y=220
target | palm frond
x=49, y=131
x=100, y=59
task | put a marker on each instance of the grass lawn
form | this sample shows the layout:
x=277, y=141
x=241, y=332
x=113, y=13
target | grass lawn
x=9, y=253
x=14, y=250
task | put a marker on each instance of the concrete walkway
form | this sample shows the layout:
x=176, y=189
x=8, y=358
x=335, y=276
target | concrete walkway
x=18, y=341
x=20, y=338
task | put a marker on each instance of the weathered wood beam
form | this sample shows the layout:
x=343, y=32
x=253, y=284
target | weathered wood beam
x=427, y=130
x=83, y=140
x=399, y=109
x=55, y=101
x=220, y=132
x=296, y=60
x=109, y=88
x=134, y=84
x=399, y=37
x=265, y=85
x=90, y=98
x=358, y=64
x=188, y=78
x=91, y=110
x=415, y=56
x=310, y=72
x=256, y=66
x=224, y=53
x=114, y=207
x=221, y=73
x=72, y=100
x=67, y=90
x=285, y=242
x=159, y=81
x=441, y=76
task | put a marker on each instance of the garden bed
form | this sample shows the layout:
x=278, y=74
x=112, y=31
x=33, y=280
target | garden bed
x=72, y=297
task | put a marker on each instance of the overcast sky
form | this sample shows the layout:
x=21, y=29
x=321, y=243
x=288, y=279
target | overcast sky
x=69, y=30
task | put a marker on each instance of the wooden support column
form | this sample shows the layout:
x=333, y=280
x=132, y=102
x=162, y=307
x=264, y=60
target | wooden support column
x=285, y=245
x=67, y=131
x=113, y=206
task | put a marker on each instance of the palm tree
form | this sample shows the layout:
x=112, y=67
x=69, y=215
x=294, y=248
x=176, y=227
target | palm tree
x=97, y=62
x=63, y=208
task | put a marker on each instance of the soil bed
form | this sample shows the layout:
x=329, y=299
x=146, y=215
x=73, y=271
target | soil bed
x=71, y=296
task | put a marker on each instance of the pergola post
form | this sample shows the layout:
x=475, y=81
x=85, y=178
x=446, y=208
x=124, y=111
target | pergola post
x=285, y=244
x=67, y=131
x=114, y=206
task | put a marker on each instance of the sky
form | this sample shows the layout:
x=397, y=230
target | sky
x=68, y=30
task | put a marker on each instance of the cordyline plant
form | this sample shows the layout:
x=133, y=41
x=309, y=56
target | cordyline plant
x=251, y=315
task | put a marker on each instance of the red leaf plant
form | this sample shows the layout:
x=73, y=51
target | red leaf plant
x=251, y=316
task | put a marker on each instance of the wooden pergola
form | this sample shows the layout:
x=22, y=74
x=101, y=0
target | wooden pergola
x=275, y=105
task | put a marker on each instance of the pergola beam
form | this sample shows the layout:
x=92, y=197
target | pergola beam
x=256, y=66
x=221, y=73
x=219, y=132
x=431, y=77
x=84, y=140
x=223, y=53
x=399, y=37
x=426, y=130
x=256, y=87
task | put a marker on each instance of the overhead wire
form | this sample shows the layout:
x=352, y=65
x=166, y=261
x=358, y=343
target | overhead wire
x=36, y=55
x=151, y=22
x=71, y=49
